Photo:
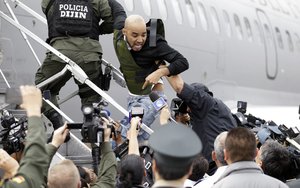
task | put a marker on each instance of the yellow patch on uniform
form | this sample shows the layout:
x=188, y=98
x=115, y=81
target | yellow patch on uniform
x=18, y=179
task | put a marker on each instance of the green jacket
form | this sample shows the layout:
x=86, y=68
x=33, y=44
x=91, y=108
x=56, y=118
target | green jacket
x=33, y=166
x=107, y=170
x=85, y=44
x=128, y=66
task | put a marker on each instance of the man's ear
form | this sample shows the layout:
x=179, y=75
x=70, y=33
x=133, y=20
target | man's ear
x=124, y=31
x=226, y=155
x=213, y=155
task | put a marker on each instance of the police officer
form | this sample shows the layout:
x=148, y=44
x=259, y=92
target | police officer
x=73, y=29
x=140, y=52
x=209, y=115
x=175, y=147
x=33, y=166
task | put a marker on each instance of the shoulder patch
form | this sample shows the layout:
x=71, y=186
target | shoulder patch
x=18, y=179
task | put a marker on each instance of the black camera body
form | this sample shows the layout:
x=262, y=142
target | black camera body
x=13, y=133
x=178, y=106
x=92, y=130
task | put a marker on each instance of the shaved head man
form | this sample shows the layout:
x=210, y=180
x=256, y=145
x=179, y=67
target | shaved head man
x=135, y=32
x=141, y=48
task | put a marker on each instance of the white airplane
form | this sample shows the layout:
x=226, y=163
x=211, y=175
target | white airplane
x=246, y=50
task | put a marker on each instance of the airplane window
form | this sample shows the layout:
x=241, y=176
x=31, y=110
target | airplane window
x=227, y=25
x=290, y=41
x=268, y=35
x=279, y=38
x=162, y=9
x=274, y=5
x=259, y=32
x=297, y=41
x=238, y=27
x=202, y=16
x=147, y=7
x=177, y=11
x=263, y=2
x=215, y=20
x=129, y=5
x=248, y=29
x=190, y=13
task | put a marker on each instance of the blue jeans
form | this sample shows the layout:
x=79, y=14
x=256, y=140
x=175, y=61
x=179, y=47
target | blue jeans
x=149, y=113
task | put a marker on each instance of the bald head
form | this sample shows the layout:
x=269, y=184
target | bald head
x=134, y=20
x=135, y=32
x=64, y=174
x=219, y=146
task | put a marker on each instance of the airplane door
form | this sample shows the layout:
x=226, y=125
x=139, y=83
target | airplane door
x=271, y=59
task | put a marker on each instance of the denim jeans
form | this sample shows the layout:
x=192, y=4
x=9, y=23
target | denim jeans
x=150, y=113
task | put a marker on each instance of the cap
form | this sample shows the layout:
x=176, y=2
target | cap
x=175, y=144
x=198, y=86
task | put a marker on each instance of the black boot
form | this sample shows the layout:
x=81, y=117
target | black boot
x=57, y=121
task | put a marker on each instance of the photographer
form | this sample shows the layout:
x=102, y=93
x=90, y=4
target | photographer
x=65, y=173
x=33, y=166
x=132, y=170
x=209, y=115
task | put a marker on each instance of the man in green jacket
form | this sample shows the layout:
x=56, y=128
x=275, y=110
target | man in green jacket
x=73, y=29
x=140, y=52
x=33, y=166
x=65, y=173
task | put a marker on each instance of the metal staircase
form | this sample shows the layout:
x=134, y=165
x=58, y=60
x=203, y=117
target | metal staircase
x=75, y=149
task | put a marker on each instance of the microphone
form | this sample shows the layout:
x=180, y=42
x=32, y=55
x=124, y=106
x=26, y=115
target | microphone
x=159, y=103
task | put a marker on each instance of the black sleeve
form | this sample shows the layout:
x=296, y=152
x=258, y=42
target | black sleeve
x=118, y=13
x=198, y=100
x=178, y=63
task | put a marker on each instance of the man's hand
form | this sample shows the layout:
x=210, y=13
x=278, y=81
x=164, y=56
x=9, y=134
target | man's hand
x=107, y=129
x=164, y=115
x=155, y=76
x=59, y=135
x=134, y=129
x=32, y=100
x=132, y=134
x=118, y=129
x=183, y=118
x=8, y=164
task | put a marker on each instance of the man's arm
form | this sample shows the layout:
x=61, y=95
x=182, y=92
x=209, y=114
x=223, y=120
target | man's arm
x=133, y=146
x=176, y=83
x=33, y=166
x=107, y=170
x=105, y=14
x=59, y=136
x=119, y=14
x=177, y=62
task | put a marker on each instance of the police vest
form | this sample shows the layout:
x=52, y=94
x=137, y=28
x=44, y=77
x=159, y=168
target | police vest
x=135, y=75
x=72, y=18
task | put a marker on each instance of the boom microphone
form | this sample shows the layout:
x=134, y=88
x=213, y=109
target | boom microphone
x=159, y=103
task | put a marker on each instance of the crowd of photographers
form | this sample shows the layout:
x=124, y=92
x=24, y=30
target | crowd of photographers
x=200, y=143
x=170, y=159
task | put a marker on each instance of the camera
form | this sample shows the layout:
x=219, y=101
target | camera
x=92, y=130
x=136, y=111
x=13, y=133
x=178, y=106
